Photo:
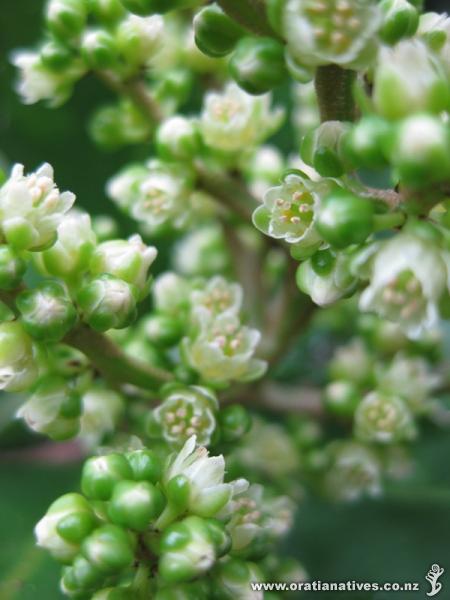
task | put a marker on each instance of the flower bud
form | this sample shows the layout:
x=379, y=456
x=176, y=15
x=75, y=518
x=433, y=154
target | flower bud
x=185, y=412
x=362, y=145
x=139, y=39
x=46, y=531
x=53, y=409
x=215, y=33
x=107, y=302
x=101, y=473
x=171, y=293
x=352, y=363
x=257, y=64
x=236, y=576
x=47, y=312
x=102, y=409
x=342, y=398
x=109, y=548
x=125, y=259
x=421, y=150
x=70, y=255
x=162, y=330
x=235, y=421
x=135, y=504
x=322, y=148
x=56, y=56
x=99, y=49
x=31, y=208
x=106, y=11
x=12, y=268
x=384, y=419
x=344, y=219
x=326, y=289
x=66, y=18
x=145, y=465
x=80, y=577
x=202, y=252
x=409, y=79
x=18, y=368
x=178, y=138
x=187, y=550
x=400, y=20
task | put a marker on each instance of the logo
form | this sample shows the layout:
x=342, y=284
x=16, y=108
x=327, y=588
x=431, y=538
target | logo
x=432, y=577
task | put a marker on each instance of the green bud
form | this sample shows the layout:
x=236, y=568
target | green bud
x=362, y=145
x=139, y=39
x=101, y=473
x=162, y=330
x=344, y=219
x=146, y=465
x=76, y=526
x=322, y=148
x=66, y=18
x=106, y=11
x=12, y=268
x=323, y=261
x=82, y=575
x=421, y=150
x=18, y=369
x=400, y=20
x=108, y=302
x=326, y=289
x=99, y=49
x=257, y=64
x=135, y=504
x=215, y=33
x=235, y=421
x=342, y=398
x=219, y=535
x=187, y=550
x=47, y=311
x=109, y=548
x=55, y=56
x=178, y=491
x=150, y=7
x=178, y=138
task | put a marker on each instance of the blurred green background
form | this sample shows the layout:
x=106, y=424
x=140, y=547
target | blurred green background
x=396, y=539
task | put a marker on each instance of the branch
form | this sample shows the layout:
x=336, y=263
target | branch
x=390, y=197
x=284, y=399
x=334, y=88
x=249, y=13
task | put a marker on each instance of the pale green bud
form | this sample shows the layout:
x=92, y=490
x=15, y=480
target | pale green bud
x=18, y=368
x=178, y=138
x=101, y=411
x=140, y=38
x=171, y=293
x=326, y=288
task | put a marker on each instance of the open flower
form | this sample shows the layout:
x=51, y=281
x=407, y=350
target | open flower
x=383, y=418
x=408, y=279
x=218, y=297
x=223, y=350
x=208, y=492
x=233, y=120
x=288, y=211
x=32, y=207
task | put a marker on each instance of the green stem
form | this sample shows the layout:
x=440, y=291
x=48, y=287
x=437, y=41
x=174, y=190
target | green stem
x=114, y=364
x=334, y=88
x=141, y=583
x=249, y=13
x=388, y=221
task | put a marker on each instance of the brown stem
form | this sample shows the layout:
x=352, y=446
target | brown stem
x=334, y=88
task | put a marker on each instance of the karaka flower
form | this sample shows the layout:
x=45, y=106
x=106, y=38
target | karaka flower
x=218, y=296
x=384, y=418
x=223, y=350
x=184, y=412
x=326, y=287
x=233, y=120
x=31, y=208
x=288, y=211
x=407, y=282
x=330, y=31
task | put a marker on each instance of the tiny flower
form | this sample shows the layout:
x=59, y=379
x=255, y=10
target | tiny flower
x=218, y=297
x=127, y=259
x=12, y=268
x=202, y=252
x=107, y=302
x=354, y=472
x=400, y=19
x=101, y=410
x=18, y=368
x=185, y=412
x=409, y=377
x=109, y=548
x=47, y=531
x=171, y=293
x=329, y=31
x=352, y=362
x=383, y=418
x=66, y=18
x=223, y=350
x=233, y=120
x=38, y=82
x=326, y=288
x=53, y=409
x=288, y=211
x=208, y=493
x=135, y=504
x=178, y=138
x=409, y=79
x=99, y=49
x=123, y=189
x=140, y=38
x=31, y=208
x=408, y=279
x=71, y=253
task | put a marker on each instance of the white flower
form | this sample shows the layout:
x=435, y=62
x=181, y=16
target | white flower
x=124, y=187
x=223, y=349
x=101, y=410
x=208, y=492
x=329, y=31
x=383, y=418
x=140, y=38
x=233, y=120
x=408, y=279
x=37, y=82
x=326, y=289
x=32, y=207
x=218, y=296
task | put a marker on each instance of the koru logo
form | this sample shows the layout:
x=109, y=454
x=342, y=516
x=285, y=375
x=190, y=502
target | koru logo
x=432, y=577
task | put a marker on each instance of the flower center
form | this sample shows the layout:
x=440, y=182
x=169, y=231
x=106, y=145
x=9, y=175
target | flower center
x=403, y=296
